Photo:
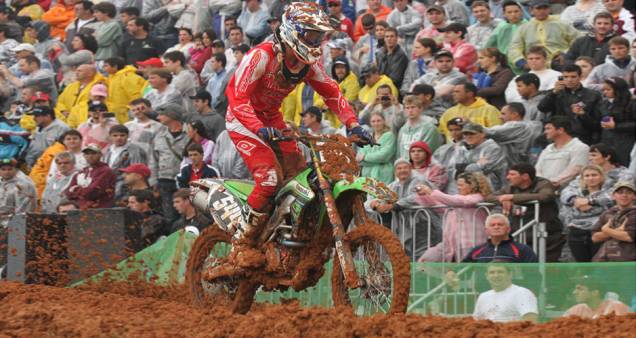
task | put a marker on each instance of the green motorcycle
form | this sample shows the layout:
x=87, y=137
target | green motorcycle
x=319, y=210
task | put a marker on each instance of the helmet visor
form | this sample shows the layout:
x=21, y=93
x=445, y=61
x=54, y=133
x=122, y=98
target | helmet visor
x=312, y=38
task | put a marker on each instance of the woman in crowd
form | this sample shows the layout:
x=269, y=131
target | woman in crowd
x=458, y=236
x=587, y=64
x=197, y=133
x=377, y=160
x=202, y=49
x=84, y=48
x=423, y=50
x=619, y=121
x=185, y=42
x=494, y=78
x=605, y=157
x=582, y=204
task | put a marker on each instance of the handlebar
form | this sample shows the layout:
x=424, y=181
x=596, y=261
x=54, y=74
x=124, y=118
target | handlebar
x=305, y=138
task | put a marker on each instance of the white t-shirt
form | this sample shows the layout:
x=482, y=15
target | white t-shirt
x=508, y=305
x=547, y=78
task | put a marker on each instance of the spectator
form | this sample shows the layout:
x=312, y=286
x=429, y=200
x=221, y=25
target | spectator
x=196, y=132
x=464, y=53
x=578, y=14
x=502, y=35
x=49, y=129
x=379, y=12
x=93, y=186
x=215, y=82
x=60, y=16
x=235, y=39
x=537, y=58
x=420, y=156
x=414, y=126
x=253, y=20
x=482, y=154
x=347, y=81
x=139, y=45
x=469, y=107
x=121, y=154
x=499, y=246
x=561, y=161
x=142, y=129
x=457, y=11
x=373, y=80
x=190, y=218
x=623, y=19
x=154, y=225
x=384, y=103
x=506, y=302
x=127, y=14
x=196, y=169
x=162, y=93
x=524, y=185
x=42, y=79
x=436, y=16
x=366, y=46
x=451, y=153
x=605, y=157
x=618, y=64
x=22, y=51
x=58, y=182
x=345, y=24
x=616, y=228
x=184, y=80
x=227, y=159
x=28, y=8
x=135, y=177
x=313, y=123
x=124, y=86
x=108, y=33
x=6, y=45
x=586, y=64
x=95, y=129
x=166, y=150
x=7, y=17
x=202, y=50
x=66, y=206
x=458, y=236
x=582, y=204
x=494, y=78
x=83, y=23
x=213, y=122
x=443, y=79
x=536, y=32
x=72, y=105
x=18, y=192
x=529, y=95
x=594, y=44
x=185, y=42
x=588, y=294
x=163, y=20
x=43, y=167
x=406, y=21
x=516, y=135
x=391, y=59
x=72, y=141
x=479, y=32
x=618, y=122
x=423, y=50
x=377, y=160
x=580, y=105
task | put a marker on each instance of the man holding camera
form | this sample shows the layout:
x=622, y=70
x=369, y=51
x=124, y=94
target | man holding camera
x=582, y=106
x=385, y=102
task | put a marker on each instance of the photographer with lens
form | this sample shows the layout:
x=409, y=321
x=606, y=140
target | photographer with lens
x=385, y=102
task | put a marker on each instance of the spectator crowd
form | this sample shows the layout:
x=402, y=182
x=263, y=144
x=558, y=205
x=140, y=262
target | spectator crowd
x=122, y=104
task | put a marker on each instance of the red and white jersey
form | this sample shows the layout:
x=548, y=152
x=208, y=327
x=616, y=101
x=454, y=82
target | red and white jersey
x=255, y=96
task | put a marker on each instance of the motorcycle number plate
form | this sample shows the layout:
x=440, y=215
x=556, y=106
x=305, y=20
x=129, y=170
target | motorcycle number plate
x=226, y=209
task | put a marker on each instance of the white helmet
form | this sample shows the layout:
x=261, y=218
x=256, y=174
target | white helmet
x=302, y=29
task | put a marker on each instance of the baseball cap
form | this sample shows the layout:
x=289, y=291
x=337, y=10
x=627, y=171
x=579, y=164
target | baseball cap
x=40, y=96
x=137, y=168
x=472, y=128
x=539, y=3
x=202, y=95
x=454, y=27
x=8, y=161
x=455, y=121
x=436, y=8
x=152, y=62
x=97, y=106
x=23, y=47
x=173, y=111
x=99, y=89
x=81, y=57
x=623, y=184
x=368, y=69
x=442, y=53
x=92, y=147
x=42, y=110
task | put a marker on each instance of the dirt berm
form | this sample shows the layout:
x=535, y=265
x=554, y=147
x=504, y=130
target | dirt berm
x=133, y=311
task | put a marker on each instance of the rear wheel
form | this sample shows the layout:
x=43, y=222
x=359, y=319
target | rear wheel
x=383, y=268
x=209, y=250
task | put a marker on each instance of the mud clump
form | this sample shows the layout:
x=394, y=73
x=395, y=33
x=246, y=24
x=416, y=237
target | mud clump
x=37, y=310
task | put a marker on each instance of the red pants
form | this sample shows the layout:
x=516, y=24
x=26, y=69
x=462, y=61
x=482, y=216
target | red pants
x=262, y=163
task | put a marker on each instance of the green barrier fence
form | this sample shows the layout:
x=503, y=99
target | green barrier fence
x=446, y=289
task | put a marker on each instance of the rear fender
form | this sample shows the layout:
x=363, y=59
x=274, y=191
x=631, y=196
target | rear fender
x=366, y=185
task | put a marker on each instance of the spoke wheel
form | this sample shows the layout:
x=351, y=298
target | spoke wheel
x=209, y=250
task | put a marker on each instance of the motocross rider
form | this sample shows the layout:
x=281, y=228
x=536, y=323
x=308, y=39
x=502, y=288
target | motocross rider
x=266, y=75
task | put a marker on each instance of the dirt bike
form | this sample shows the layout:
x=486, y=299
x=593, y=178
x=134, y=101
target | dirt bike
x=319, y=210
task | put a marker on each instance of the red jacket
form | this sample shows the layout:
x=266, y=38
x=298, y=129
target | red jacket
x=465, y=56
x=93, y=187
x=255, y=95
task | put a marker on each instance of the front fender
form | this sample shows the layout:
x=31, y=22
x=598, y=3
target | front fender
x=368, y=185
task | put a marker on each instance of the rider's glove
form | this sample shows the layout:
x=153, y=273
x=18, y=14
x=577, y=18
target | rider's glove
x=268, y=133
x=365, y=137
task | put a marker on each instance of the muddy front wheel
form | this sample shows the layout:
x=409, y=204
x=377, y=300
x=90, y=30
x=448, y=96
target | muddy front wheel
x=209, y=250
x=382, y=267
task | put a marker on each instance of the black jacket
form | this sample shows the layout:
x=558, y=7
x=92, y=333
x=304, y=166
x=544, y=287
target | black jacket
x=586, y=127
x=589, y=46
x=199, y=221
x=508, y=251
x=135, y=50
x=393, y=65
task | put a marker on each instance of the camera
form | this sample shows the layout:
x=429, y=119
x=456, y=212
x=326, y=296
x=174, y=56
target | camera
x=560, y=78
x=385, y=98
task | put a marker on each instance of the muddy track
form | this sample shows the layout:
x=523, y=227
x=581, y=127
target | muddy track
x=138, y=311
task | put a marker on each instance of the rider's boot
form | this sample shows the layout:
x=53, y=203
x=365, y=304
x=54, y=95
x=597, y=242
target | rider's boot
x=244, y=253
